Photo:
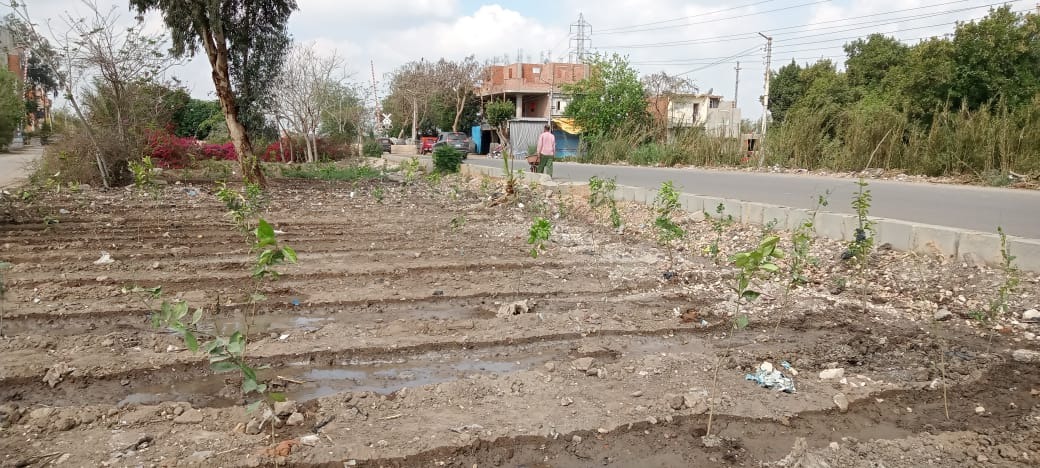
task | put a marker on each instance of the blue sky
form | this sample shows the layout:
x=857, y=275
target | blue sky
x=388, y=33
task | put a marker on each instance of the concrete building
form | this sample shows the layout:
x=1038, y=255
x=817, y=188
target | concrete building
x=18, y=63
x=535, y=88
x=717, y=116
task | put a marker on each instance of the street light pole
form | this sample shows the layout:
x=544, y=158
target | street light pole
x=765, y=100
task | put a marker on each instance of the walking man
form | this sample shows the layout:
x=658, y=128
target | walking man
x=546, y=149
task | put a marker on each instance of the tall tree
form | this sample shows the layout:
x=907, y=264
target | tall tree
x=86, y=46
x=785, y=89
x=304, y=89
x=997, y=57
x=11, y=106
x=870, y=60
x=256, y=62
x=457, y=82
x=609, y=97
x=214, y=26
x=411, y=87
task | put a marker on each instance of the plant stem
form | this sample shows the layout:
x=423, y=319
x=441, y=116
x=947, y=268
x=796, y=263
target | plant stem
x=711, y=404
x=942, y=368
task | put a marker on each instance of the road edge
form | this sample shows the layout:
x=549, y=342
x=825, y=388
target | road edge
x=954, y=244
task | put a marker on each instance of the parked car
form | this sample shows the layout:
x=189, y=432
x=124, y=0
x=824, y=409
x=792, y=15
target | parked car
x=386, y=143
x=426, y=144
x=457, y=140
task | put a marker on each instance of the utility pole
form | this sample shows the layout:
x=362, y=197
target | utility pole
x=377, y=126
x=765, y=100
x=736, y=86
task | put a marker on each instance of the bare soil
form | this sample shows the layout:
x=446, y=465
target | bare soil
x=389, y=338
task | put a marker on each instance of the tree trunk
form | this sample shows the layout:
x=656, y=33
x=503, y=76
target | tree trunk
x=460, y=105
x=415, y=120
x=216, y=51
x=102, y=167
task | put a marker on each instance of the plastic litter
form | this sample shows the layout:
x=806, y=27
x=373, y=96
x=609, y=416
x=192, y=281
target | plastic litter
x=105, y=259
x=769, y=377
x=295, y=302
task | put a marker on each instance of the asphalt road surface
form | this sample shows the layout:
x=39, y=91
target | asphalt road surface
x=967, y=207
x=14, y=165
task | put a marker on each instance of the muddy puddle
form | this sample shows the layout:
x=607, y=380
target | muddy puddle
x=379, y=376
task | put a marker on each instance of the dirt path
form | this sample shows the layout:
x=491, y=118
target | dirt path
x=14, y=164
x=391, y=340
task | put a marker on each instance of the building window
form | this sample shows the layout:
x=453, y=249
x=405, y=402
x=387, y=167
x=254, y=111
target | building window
x=537, y=70
x=713, y=103
x=510, y=73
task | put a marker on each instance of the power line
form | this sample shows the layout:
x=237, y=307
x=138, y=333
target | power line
x=859, y=25
x=792, y=7
x=611, y=30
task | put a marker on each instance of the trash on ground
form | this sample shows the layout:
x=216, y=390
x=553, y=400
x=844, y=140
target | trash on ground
x=105, y=259
x=768, y=377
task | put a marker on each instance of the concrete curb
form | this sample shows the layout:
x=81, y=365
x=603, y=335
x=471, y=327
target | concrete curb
x=475, y=170
x=906, y=236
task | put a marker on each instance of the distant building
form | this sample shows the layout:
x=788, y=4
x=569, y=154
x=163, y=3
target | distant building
x=536, y=89
x=18, y=63
x=709, y=111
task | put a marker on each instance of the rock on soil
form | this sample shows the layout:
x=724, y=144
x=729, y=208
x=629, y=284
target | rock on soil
x=189, y=417
x=842, y=402
x=1026, y=355
x=122, y=441
x=514, y=308
x=832, y=374
x=583, y=364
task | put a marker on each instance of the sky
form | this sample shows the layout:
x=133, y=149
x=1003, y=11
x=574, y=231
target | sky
x=700, y=39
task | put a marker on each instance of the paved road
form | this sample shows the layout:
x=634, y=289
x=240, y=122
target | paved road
x=968, y=207
x=14, y=165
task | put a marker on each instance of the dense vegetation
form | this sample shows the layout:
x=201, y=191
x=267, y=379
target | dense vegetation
x=968, y=103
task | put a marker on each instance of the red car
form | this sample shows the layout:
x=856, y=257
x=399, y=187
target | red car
x=426, y=144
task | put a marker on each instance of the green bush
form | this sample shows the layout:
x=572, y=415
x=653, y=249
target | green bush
x=372, y=149
x=446, y=159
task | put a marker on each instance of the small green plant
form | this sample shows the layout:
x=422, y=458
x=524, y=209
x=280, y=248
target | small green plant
x=801, y=245
x=330, y=171
x=371, y=149
x=225, y=354
x=378, y=194
x=269, y=253
x=239, y=209
x=447, y=159
x=539, y=234
x=457, y=223
x=802, y=239
x=1000, y=305
x=485, y=186
x=411, y=169
x=601, y=193
x=255, y=198
x=751, y=264
x=666, y=204
x=863, y=238
x=719, y=223
x=143, y=171
x=435, y=178
x=769, y=227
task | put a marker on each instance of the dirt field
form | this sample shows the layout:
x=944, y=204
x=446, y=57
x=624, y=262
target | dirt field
x=388, y=337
